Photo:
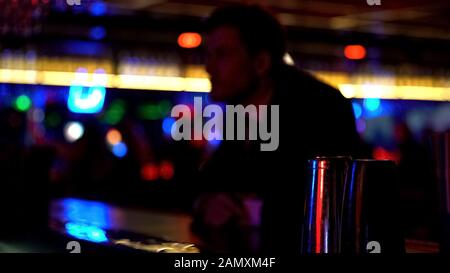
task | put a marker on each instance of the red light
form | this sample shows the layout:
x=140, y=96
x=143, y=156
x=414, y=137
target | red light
x=379, y=153
x=355, y=52
x=166, y=170
x=150, y=172
x=198, y=143
x=321, y=178
x=189, y=40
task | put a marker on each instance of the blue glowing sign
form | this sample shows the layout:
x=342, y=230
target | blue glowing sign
x=88, y=212
x=87, y=100
x=84, y=101
x=86, y=232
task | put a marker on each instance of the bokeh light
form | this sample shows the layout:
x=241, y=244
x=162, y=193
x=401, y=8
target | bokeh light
x=166, y=170
x=189, y=40
x=150, y=172
x=113, y=137
x=73, y=131
x=120, y=150
x=23, y=103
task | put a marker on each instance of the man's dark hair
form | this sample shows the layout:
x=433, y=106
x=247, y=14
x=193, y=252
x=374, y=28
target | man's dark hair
x=259, y=30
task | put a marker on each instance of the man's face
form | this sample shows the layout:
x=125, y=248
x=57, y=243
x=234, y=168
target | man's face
x=231, y=68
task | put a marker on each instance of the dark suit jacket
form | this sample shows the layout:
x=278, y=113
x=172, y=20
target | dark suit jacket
x=315, y=120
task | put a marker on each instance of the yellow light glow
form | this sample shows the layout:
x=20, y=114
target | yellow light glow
x=395, y=92
x=347, y=90
x=351, y=87
x=57, y=78
x=197, y=84
x=150, y=82
x=287, y=58
x=18, y=76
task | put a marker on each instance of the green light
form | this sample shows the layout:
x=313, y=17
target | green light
x=23, y=103
x=149, y=111
x=115, y=112
x=164, y=107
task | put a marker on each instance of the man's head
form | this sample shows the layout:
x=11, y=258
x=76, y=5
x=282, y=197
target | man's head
x=244, y=44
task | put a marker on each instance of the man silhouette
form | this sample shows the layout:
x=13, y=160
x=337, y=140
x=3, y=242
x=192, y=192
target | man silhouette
x=245, y=47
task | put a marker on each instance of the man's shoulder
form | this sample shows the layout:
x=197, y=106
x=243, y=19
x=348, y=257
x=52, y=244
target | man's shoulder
x=302, y=84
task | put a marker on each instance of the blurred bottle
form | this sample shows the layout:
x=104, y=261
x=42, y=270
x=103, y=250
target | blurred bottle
x=323, y=205
x=370, y=217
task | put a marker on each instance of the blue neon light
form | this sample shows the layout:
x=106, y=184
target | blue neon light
x=90, y=212
x=84, y=101
x=86, y=232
